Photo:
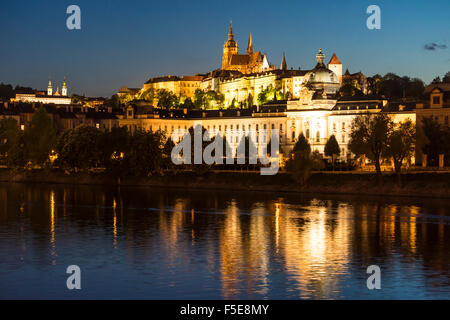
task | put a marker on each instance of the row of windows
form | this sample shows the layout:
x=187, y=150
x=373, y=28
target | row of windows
x=307, y=136
x=219, y=127
x=343, y=126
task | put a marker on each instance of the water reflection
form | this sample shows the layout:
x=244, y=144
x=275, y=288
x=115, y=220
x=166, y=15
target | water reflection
x=178, y=244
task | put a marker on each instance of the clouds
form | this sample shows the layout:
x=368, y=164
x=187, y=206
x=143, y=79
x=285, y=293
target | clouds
x=434, y=46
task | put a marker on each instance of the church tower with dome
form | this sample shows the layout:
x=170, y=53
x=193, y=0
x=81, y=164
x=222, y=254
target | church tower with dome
x=322, y=80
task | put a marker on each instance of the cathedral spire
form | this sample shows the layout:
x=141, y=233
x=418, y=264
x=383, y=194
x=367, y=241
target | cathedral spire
x=250, y=44
x=283, y=65
x=230, y=33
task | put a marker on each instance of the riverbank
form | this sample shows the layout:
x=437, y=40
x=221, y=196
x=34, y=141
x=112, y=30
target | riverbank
x=356, y=183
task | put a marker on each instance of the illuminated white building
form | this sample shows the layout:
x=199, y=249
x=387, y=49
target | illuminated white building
x=49, y=98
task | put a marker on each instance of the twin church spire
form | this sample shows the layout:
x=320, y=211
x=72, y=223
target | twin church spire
x=63, y=90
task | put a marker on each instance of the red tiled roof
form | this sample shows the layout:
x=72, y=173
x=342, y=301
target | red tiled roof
x=334, y=59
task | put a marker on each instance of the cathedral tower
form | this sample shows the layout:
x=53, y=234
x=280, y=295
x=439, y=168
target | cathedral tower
x=229, y=49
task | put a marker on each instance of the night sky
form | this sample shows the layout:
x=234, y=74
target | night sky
x=127, y=42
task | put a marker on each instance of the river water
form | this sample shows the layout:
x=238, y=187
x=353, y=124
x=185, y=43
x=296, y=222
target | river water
x=142, y=243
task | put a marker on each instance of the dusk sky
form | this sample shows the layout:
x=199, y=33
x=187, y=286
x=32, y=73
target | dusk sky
x=127, y=42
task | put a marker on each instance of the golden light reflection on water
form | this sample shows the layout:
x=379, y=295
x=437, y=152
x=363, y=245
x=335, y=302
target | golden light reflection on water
x=316, y=247
x=114, y=224
x=52, y=226
x=231, y=252
x=311, y=244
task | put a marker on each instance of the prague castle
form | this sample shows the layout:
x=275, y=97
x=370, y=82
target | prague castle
x=309, y=102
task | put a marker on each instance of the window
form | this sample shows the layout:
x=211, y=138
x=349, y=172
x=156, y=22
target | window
x=436, y=100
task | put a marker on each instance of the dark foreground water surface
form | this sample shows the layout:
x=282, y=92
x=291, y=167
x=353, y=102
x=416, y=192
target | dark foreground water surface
x=140, y=243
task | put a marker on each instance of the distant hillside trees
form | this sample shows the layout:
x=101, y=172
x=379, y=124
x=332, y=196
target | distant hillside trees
x=395, y=87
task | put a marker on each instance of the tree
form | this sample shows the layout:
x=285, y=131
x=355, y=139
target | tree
x=434, y=139
x=369, y=136
x=300, y=163
x=9, y=132
x=188, y=104
x=6, y=91
x=81, y=148
x=401, y=142
x=302, y=145
x=113, y=102
x=144, y=157
x=332, y=149
x=11, y=143
x=166, y=99
x=167, y=153
x=115, y=146
x=148, y=95
x=75, y=99
x=40, y=137
x=446, y=78
x=436, y=80
x=317, y=160
x=350, y=88
x=199, y=99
